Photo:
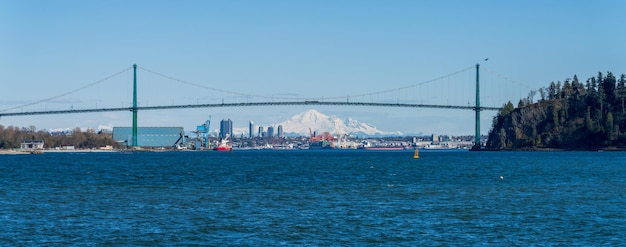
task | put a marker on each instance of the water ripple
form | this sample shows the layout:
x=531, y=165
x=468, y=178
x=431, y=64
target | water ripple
x=314, y=198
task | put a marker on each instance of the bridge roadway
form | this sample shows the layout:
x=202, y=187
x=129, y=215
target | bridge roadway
x=314, y=102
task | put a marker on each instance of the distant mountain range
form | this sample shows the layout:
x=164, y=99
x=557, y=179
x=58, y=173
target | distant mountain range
x=299, y=125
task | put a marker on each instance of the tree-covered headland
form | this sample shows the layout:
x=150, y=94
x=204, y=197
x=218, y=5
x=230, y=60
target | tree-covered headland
x=572, y=115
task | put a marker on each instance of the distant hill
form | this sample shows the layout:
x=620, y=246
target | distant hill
x=569, y=115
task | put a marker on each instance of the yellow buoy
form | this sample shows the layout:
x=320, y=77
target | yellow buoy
x=416, y=155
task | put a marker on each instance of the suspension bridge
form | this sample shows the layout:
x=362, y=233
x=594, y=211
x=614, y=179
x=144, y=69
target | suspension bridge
x=351, y=100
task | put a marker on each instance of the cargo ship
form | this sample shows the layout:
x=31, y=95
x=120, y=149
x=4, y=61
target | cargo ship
x=391, y=148
x=223, y=145
x=367, y=146
x=321, y=145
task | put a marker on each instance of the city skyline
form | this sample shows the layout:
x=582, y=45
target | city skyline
x=301, y=125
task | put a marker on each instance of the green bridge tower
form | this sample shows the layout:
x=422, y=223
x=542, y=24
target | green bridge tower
x=134, y=105
x=477, y=109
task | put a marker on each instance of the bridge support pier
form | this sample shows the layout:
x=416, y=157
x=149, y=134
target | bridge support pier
x=477, y=109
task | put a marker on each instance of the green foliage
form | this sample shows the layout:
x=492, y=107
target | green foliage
x=507, y=109
x=608, y=127
x=568, y=115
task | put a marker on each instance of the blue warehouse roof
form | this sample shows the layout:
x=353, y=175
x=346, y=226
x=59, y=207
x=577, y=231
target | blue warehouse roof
x=149, y=136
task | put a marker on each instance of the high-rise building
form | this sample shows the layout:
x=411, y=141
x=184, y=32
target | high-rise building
x=270, y=131
x=280, y=131
x=252, y=129
x=435, y=139
x=226, y=128
x=260, y=131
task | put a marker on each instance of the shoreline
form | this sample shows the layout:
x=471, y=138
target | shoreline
x=42, y=151
x=603, y=149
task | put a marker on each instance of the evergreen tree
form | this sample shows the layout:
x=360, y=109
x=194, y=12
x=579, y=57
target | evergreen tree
x=591, y=87
x=567, y=90
x=555, y=118
x=608, y=126
x=621, y=92
x=588, y=121
x=507, y=109
x=579, y=89
x=601, y=94
x=608, y=84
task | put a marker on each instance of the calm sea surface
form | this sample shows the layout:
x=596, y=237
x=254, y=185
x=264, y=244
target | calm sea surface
x=339, y=198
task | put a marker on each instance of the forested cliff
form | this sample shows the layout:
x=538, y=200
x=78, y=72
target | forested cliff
x=570, y=115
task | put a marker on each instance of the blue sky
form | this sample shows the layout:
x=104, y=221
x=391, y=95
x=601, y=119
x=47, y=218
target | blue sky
x=303, y=49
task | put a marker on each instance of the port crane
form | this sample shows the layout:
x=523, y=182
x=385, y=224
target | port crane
x=323, y=137
x=202, y=132
x=179, y=144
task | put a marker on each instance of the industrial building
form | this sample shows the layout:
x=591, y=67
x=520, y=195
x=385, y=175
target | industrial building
x=150, y=136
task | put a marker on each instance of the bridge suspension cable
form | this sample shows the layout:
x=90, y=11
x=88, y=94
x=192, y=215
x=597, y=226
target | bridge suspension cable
x=400, y=88
x=68, y=93
x=206, y=87
x=291, y=100
x=501, y=89
x=507, y=78
x=312, y=98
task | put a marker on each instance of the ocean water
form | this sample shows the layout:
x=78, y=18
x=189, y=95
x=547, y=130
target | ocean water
x=314, y=198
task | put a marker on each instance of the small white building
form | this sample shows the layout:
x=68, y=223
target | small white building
x=31, y=144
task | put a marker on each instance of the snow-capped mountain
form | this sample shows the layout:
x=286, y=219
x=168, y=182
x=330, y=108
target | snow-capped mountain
x=316, y=121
